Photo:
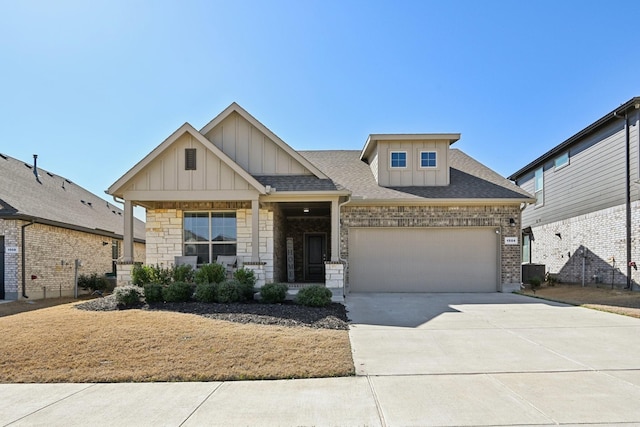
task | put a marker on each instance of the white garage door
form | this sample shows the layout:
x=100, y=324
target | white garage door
x=423, y=260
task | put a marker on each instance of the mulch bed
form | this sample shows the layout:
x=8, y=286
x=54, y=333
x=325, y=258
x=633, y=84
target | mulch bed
x=287, y=314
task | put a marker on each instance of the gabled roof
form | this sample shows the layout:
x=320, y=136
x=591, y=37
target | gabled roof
x=118, y=187
x=372, y=140
x=55, y=200
x=616, y=114
x=470, y=180
x=234, y=107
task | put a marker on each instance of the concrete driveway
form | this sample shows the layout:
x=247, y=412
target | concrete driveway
x=495, y=359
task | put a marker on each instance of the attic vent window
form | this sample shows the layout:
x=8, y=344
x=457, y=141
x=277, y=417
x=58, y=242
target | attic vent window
x=190, y=159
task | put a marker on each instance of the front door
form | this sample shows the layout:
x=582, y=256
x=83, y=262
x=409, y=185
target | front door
x=315, y=256
x=1, y=267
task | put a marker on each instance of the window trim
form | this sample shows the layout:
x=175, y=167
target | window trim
x=209, y=242
x=435, y=159
x=406, y=159
x=540, y=190
x=563, y=165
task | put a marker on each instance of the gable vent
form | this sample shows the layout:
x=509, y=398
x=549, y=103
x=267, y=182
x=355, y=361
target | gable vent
x=190, y=159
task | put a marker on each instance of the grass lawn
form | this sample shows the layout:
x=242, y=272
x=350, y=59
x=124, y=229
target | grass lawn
x=600, y=297
x=64, y=344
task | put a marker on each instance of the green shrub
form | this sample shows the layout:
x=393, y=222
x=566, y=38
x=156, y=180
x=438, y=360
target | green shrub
x=535, y=283
x=93, y=282
x=140, y=275
x=153, y=292
x=205, y=292
x=314, y=296
x=183, y=273
x=211, y=273
x=228, y=291
x=177, y=292
x=143, y=274
x=128, y=296
x=245, y=276
x=273, y=293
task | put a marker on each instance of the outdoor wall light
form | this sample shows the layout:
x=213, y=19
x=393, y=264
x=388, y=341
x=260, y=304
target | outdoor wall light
x=512, y=222
x=305, y=210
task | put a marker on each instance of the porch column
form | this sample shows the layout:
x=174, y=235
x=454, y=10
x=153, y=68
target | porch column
x=335, y=230
x=128, y=233
x=255, y=231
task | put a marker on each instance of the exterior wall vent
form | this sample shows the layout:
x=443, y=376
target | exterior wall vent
x=190, y=159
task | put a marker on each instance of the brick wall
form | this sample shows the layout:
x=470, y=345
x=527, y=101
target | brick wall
x=600, y=236
x=497, y=216
x=50, y=254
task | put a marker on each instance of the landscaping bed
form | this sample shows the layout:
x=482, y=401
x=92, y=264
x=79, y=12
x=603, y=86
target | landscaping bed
x=333, y=316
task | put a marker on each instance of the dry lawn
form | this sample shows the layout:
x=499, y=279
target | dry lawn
x=64, y=344
x=602, y=298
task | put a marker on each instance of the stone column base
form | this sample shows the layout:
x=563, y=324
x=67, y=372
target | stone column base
x=258, y=271
x=124, y=270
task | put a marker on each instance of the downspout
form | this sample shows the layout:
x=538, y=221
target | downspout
x=627, y=194
x=24, y=256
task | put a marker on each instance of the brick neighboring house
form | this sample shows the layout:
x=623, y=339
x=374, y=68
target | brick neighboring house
x=47, y=223
x=585, y=220
x=405, y=214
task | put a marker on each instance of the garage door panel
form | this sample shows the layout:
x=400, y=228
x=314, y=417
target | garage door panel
x=422, y=260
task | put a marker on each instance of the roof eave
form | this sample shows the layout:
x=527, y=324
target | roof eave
x=558, y=149
x=373, y=138
x=67, y=226
x=425, y=201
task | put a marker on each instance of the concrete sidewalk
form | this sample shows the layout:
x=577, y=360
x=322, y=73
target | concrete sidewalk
x=422, y=360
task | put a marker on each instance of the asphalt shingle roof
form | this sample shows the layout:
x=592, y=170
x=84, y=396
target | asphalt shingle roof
x=469, y=179
x=296, y=182
x=56, y=199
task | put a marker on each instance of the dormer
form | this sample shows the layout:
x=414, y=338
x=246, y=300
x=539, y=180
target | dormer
x=409, y=160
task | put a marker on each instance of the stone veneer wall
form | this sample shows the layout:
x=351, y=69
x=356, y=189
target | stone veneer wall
x=601, y=233
x=165, y=241
x=50, y=255
x=442, y=216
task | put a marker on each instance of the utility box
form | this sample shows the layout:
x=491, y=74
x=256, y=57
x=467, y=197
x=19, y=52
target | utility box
x=530, y=271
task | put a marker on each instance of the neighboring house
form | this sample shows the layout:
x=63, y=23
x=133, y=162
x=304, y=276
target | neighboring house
x=47, y=223
x=584, y=222
x=405, y=214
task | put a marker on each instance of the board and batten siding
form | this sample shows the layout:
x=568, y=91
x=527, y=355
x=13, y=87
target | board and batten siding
x=167, y=172
x=250, y=148
x=593, y=180
x=413, y=174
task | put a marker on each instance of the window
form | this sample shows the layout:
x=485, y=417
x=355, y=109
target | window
x=398, y=159
x=115, y=254
x=561, y=161
x=189, y=159
x=209, y=234
x=526, y=248
x=428, y=159
x=539, y=186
